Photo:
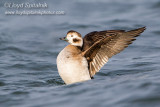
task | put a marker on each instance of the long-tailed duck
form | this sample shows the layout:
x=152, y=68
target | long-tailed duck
x=84, y=57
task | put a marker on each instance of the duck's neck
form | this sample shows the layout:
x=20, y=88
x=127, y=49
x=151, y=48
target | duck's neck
x=79, y=47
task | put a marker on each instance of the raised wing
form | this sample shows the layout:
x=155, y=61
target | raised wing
x=95, y=36
x=103, y=49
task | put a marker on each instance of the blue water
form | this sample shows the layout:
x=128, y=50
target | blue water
x=29, y=46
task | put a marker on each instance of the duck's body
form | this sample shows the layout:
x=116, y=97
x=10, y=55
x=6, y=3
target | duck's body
x=72, y=66
x=84, y=57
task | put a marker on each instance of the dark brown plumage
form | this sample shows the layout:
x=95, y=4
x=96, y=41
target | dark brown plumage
x=98, y=47
x=76, y=40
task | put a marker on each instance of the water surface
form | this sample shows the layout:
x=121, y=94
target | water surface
x=29, y=46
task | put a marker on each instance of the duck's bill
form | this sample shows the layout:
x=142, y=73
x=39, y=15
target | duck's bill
x=64, y=38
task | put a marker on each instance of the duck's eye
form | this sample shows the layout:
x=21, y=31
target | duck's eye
x=71, y=35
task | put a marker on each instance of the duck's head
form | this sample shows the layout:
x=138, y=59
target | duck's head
x=74, y=38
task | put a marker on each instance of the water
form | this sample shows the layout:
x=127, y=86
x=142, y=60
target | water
x=29, y=46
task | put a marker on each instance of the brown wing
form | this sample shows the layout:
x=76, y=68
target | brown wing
x=95, y=36
x=99, y=53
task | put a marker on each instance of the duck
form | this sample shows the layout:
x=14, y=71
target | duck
x=85, y=56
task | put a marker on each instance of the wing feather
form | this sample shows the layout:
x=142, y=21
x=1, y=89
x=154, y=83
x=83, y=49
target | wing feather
x=108, y=44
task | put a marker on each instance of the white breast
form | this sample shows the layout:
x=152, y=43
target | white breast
x=72, y=69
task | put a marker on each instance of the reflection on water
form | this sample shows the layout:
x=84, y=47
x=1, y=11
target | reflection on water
x=29, y=46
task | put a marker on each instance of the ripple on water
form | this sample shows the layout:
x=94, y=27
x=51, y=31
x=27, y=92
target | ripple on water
x=156, y=5
x=19, y=93
x=56, y=81
x=2, y=83
x=156, y=32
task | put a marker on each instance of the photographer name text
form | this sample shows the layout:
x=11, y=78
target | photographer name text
x=25, y=5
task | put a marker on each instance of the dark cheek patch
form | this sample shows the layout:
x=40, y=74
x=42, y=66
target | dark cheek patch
x=76, y=40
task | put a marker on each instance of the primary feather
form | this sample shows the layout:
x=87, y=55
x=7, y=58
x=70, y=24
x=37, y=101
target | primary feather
x=98, y=47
